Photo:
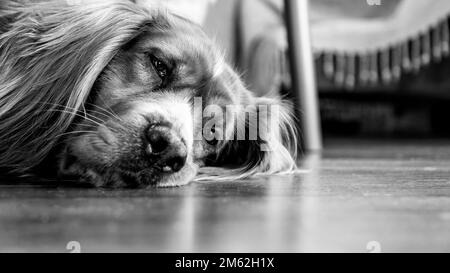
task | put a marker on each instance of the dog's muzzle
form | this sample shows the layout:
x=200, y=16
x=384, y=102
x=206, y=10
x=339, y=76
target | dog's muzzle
x=165, y=147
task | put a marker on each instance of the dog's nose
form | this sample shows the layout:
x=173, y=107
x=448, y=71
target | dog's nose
x=167, y=147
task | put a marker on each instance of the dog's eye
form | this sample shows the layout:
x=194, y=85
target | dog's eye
x=160, y=67
x=214, y=141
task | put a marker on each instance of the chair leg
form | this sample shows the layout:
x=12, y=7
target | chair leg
x=303, y=72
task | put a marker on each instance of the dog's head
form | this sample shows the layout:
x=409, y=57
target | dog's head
x=163, y=105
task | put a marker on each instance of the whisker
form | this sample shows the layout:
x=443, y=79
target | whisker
x=74, y=132
x=110, y=111
x=75, y=111
x=87, y=126
x=106, y=113
x=78, y=115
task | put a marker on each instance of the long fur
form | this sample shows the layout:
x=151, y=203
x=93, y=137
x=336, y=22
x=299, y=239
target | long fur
x=274, y=154
x=277, y=154
x=50, y=61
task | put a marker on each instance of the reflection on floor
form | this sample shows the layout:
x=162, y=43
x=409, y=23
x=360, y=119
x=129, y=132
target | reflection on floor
x=394, y=196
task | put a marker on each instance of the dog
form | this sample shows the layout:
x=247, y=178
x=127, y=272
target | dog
x=120, y=95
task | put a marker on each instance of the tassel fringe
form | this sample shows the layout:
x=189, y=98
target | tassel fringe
x=387, y=65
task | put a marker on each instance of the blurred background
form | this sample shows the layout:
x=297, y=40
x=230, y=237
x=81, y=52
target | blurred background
x=381, y=69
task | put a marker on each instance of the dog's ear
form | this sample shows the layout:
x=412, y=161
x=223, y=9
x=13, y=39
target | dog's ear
x=51, y=55
x=270, y=144
x=267, y=144
x=279, y=136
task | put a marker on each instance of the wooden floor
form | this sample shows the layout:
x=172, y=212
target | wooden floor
x=393, y=195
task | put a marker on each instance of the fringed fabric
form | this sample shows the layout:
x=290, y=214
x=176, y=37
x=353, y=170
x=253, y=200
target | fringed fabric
x=366, y=53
